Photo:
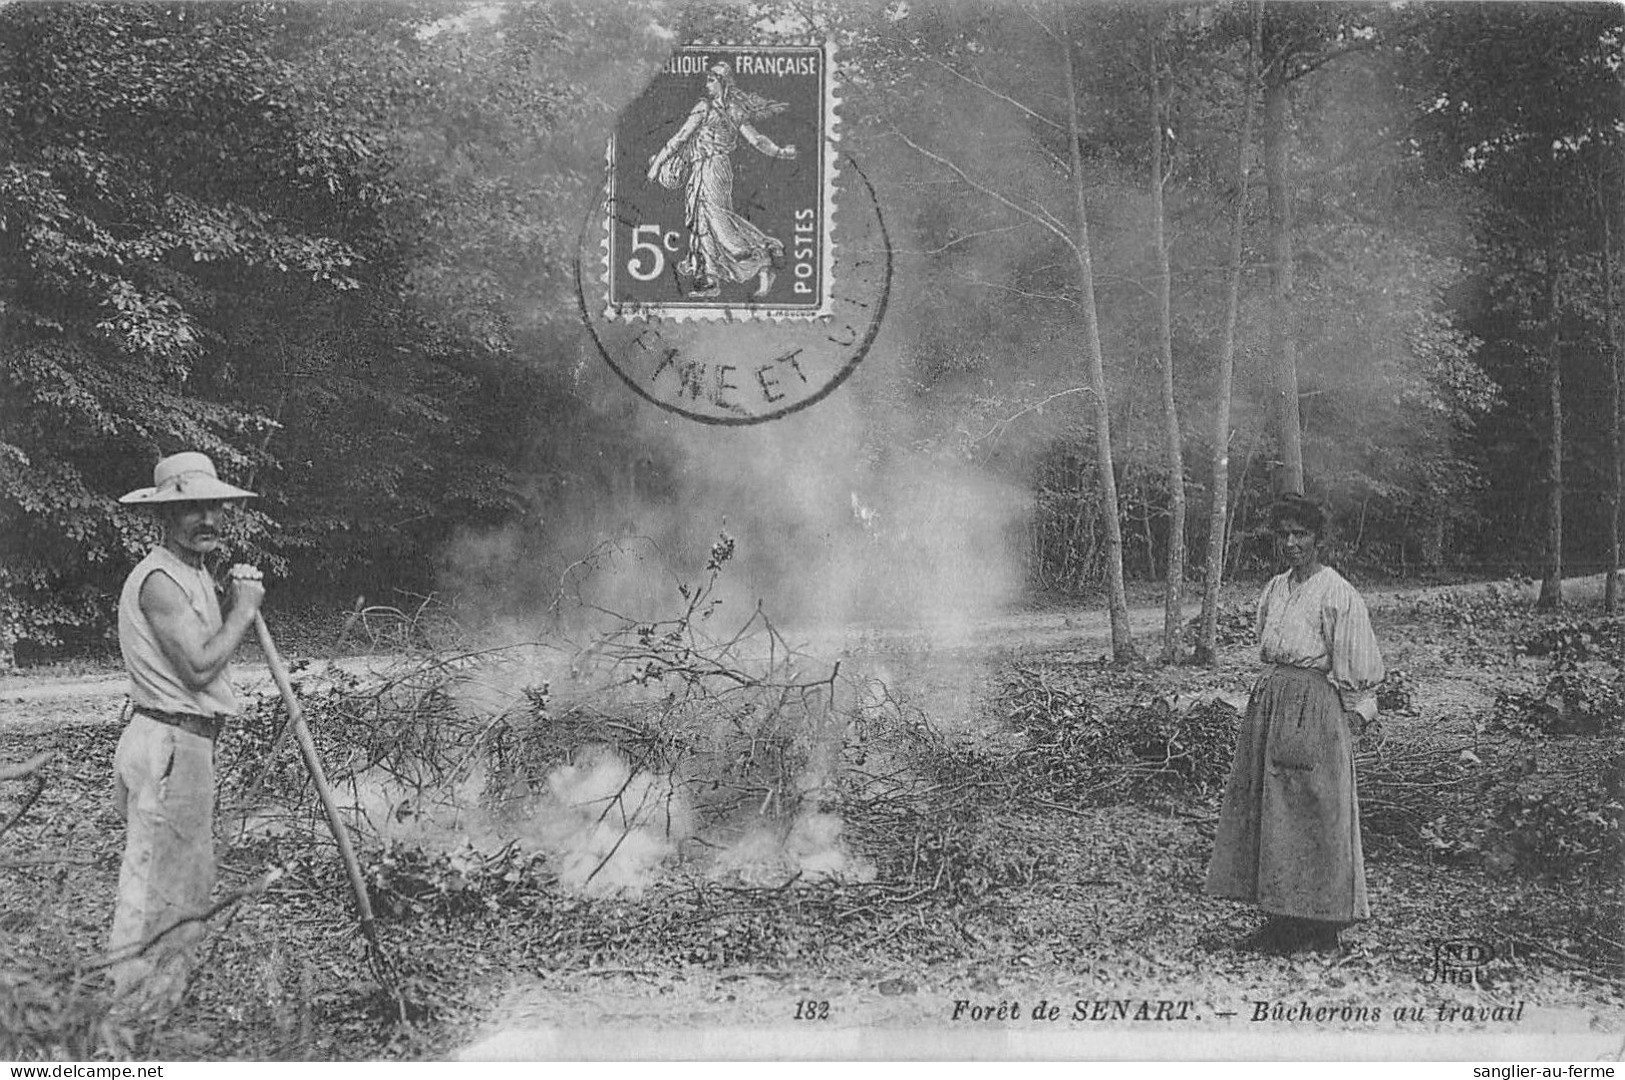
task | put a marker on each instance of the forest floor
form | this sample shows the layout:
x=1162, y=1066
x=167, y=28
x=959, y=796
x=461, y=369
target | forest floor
x=1015, y=897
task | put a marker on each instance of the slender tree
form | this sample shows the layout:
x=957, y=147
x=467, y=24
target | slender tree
x=1111, y=517
x=1551, y=582
x=1218, y=515
x=1173, y=443
x=1283, y=342
x=1616, y=445
x=1299, y=39
x=1071, y=230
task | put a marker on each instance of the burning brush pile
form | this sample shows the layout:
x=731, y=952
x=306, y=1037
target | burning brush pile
x=653, y=789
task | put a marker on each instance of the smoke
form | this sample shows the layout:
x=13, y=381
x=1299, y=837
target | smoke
x=845, y=531
x=860, y=517
x=838, y=520
x=848, y=520
x=810, y=850
x=608, y=828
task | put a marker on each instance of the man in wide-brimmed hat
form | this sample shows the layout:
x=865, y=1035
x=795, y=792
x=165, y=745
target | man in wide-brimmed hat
x=177, y=648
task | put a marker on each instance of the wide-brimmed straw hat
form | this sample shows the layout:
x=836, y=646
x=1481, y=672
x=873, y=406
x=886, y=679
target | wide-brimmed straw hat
x=188, y=477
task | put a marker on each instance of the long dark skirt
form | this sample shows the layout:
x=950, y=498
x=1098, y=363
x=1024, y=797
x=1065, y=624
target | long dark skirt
x=1289, y=833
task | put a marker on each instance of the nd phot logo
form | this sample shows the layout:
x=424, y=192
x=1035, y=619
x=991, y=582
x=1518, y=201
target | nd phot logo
x=1460, y=961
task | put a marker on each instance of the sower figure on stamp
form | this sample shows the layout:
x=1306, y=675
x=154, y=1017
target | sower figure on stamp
x=1288, y=838
x=177, y=647
x=722, y=246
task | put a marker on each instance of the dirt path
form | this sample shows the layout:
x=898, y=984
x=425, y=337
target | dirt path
x=98, y=697
x=1077, y=631
x=95, y=697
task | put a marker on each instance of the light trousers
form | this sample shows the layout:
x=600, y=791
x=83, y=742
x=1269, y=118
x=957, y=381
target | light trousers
x=163, y=787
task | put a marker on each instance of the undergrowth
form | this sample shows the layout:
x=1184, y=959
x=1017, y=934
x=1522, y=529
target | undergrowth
x=787, y=815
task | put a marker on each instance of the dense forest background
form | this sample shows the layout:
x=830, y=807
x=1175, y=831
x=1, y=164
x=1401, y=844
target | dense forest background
x=332, y=246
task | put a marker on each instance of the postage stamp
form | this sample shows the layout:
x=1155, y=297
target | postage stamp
x=738, y=267
x=732, y=371
x=721, y=187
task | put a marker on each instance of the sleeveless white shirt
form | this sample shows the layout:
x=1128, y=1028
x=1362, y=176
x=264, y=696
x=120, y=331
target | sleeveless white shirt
x=154, y=683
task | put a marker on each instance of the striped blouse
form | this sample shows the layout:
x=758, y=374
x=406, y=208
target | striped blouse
x=1322, y=624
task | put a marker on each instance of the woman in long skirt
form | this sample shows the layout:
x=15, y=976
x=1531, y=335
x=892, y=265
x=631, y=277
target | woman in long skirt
x=1288, y=838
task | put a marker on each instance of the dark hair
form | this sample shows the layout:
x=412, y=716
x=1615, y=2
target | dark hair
x=1294, y=507
x=170, y=509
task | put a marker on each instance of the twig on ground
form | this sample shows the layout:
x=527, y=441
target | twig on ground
x=51, y=860
x=230, y=900
x=26, y=768
x=1075, y=811
x=36, y=789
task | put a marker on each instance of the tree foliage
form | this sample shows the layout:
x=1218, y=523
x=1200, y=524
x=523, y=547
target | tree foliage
x=1543, y=169
x=310, y=240
x=1387, y=382
x=331, y=245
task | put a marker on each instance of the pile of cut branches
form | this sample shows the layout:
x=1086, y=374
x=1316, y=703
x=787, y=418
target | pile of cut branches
x=1496, y=606
x=793, y=811
x=687, y=917
x=1493, y=802
x=1571, y=643
x=1078, y=749
x=697, y=728
x=1583, y=689
x=1569, y=701
x=1405, y=787
x=1236, y=624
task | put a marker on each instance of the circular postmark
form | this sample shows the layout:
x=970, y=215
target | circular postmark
x=734, y=292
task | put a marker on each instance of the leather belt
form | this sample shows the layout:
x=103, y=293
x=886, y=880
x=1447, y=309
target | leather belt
x=207, y=727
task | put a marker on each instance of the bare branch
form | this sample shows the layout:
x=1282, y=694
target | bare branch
x=986, y=89
x=955, y=242
x=29, y=800
x=35, y=790
x=49, y=860
x=1028, y=293
x=1378, y=38
x=1038, y=215
x=27, y=768
x=1303, y=67
x=998, y=429
x=809, y=16
x=1047, y=30
x=232, y=899
x=1136, y=282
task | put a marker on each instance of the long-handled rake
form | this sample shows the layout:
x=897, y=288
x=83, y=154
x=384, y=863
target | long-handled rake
x=376, y=957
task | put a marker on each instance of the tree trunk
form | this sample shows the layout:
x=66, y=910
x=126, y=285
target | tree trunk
x=1551, y=584
x=1433, y=542
x=1173, y=604
x=1283, y=343
x=1206, y=646
x=1117, y=601
x=1616, y=446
